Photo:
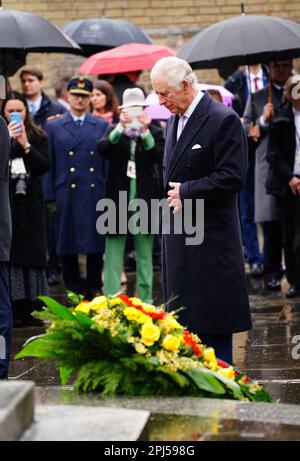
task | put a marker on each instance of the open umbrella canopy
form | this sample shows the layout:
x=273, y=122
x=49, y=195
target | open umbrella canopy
x=125, y=58
x=21, y=33
x=245, y=39
x=27, y=31
x=99, y=34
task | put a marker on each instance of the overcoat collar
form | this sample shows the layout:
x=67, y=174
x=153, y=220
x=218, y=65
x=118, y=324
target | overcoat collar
x=78, y=134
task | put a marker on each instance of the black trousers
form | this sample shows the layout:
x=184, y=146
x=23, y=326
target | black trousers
x=273, y=246
x=54, y=263
x=71, y=272
x=290, y=220
x=222, y=344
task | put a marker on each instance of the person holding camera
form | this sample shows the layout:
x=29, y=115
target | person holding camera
x=26, y=271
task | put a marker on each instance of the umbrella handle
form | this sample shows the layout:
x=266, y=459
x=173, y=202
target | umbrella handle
x=270, y=95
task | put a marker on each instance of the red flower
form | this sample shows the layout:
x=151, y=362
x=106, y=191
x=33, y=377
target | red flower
x=222, y=364
x=189, y=341
x=153, y=315
x=126, y=300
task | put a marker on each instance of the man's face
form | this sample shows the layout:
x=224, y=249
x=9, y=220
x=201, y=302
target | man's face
x=31, y=86
x=280, y=71
x=174, y=99
x=79, y=102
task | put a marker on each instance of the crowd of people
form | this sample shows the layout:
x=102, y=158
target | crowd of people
x=69, y=153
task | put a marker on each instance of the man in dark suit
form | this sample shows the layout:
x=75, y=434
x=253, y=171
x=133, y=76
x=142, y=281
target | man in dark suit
x=254, y=78
x=74, y=185
x=205, y=158
x=266, y=207
x=5, y=239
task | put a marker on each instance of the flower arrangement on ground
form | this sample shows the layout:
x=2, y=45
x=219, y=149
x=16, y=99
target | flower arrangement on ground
x=122, y=346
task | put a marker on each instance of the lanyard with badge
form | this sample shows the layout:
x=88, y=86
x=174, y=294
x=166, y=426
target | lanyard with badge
x=131, y=167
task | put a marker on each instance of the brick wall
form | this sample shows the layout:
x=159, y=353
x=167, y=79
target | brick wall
x=169, y=22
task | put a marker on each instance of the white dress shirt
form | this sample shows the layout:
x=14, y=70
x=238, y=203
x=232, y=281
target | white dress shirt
x=183, y=119
x=34, y=106
x=297, y=134
x=259, y=78
x=75, y=117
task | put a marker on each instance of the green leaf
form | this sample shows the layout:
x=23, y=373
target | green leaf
x=178, y=378
x=230, y=384
x=57, y=309
x=41, y=346
x=36, y=348
x=74, y=298
x=84, y=319
x=64, y=373
x=205, y=380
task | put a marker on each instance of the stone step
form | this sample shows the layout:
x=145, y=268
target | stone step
x=80, y=423
x=16, y=408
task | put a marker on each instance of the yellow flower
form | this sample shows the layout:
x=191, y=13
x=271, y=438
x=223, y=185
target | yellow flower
x=149, y=308
x=133, y=314
x=84, y=308
x=169, y=323
x=140, y=348
x=171, y=343
x=135, y=301
x=150, y=333
x=209, y=354
x=99, y=300
x=213, y=365
x=227, y=372
x=115, y=302
x=98, y=303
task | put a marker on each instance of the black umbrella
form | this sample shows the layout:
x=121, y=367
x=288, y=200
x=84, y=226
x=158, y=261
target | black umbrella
x=95, y=35
x=245, y=39
x=21, y=33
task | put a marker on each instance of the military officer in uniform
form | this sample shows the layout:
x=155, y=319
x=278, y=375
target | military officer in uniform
x=74, y=185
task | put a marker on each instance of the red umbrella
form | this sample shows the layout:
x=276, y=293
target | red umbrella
x=125, y=58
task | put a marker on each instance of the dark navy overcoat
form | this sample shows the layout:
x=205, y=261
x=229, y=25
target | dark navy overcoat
x=208, y=279
x=76, y=182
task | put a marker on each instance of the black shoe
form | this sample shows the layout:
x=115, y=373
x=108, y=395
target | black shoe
x=256, y=270
x=54, y=279
x=292, y=292
x=274, y=283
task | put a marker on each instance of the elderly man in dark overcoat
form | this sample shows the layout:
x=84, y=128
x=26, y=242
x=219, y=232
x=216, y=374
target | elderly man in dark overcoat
x=5, y=240
x=74, y=185
x=205, y=158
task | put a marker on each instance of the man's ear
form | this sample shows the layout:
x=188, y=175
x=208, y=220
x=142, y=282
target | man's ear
x=185, y=85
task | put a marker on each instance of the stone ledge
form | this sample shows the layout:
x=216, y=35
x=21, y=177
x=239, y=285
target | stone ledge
x=79, y=423
x=16, y=408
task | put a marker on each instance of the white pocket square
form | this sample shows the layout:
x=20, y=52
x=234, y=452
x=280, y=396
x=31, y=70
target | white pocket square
x=196, y=146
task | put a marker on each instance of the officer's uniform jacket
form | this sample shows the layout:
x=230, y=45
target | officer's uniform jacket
x=76, y=182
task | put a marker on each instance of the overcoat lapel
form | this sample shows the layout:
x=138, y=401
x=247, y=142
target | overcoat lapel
x=78, y=134
x=191, y=129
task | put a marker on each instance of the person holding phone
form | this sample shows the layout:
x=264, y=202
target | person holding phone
x=26, y=271
x=132, y=148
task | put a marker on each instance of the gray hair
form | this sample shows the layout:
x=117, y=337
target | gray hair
x=175, y=70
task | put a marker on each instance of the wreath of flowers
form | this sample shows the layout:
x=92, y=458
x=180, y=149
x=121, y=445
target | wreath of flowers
x=122, y=346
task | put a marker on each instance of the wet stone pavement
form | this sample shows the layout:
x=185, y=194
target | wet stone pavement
x=265, y=352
